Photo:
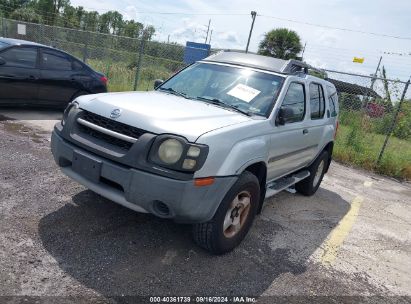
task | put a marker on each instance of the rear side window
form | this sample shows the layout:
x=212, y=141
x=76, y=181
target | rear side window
x=295, y=101
x=77, y=66
x=317, y=101
x=3, y=45
x=55, y=61
x=22, y=57
x=333, y=100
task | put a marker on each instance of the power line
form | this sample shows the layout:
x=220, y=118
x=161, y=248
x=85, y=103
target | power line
x=337, y=28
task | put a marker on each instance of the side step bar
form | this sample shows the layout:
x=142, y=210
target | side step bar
x=285, y=182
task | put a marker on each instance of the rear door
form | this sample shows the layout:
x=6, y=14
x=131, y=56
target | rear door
x=288, y=147
x=19, y=75
x=319, y=114
x=57, y=81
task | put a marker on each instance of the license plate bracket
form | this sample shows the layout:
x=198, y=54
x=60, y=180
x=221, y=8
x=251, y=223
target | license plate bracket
x=86, y=166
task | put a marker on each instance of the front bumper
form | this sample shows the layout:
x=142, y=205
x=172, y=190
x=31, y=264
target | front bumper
x=139, y=190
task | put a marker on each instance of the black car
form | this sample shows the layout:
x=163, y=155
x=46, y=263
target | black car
x=36, y=75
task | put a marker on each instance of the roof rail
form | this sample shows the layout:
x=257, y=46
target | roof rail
x=293, y=66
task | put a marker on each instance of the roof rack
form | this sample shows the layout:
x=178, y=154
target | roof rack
x=288, y=67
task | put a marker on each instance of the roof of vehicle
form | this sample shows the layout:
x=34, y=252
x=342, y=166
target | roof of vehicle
x=12, y=41
x=258, y=61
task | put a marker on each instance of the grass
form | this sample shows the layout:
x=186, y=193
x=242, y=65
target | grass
x=121, y=76
x=361, y=149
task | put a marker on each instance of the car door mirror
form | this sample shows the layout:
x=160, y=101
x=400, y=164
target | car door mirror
x=157, y=83
x=2, y=61
x=285, y=114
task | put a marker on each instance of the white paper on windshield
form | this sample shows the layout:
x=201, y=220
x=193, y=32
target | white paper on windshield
x=244, y=92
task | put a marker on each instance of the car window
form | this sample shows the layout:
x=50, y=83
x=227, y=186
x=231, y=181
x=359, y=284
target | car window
x=317, y=101
x=294, y=100
x=22, y=57
x=3, y=45
x=55, y=61
x=77, y=66
x=332, y=101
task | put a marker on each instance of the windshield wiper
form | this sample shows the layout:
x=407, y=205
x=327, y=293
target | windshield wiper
x=174, y=92
x=221, y=103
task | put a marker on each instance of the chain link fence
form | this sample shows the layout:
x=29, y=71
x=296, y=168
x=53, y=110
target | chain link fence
x=128, y=63
x=375, y=113
x=375, y=123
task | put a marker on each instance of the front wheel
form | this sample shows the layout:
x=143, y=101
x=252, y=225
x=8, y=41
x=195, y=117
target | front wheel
x=311, y=184
x=233, y=218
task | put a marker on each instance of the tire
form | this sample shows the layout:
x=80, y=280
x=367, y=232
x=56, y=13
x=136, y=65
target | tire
x=311, y=184
x=212, y=236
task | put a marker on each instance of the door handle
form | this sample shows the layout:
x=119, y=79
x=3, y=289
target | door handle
x=31, y=77
x=305, y=131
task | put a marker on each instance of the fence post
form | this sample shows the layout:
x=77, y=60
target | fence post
x=140, y=56
x=394, y=120
x=4, y=26
x=85, y=49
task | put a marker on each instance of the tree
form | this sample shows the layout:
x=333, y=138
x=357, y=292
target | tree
x=111, y=23
x=9, y=6
x=132, y=29
x=280, y=43
x=90, y=21
x=26, y=14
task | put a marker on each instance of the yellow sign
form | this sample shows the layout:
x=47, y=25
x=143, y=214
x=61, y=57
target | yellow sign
x=358, y=60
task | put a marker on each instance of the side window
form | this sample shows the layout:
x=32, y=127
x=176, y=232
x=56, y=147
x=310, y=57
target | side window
x=55, y=61
x=22, y=57
x=333, y=108
x=317, y=101
x=294, y=101
x=77, y=66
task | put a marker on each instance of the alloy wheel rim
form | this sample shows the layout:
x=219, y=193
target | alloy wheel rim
x=237, y=214
x=318, y=173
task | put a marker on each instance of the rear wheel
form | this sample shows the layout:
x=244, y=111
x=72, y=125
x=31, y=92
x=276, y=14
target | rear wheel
x=311, y=184
x=233, y=218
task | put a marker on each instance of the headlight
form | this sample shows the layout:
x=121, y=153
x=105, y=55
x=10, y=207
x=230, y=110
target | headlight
x=170, y=151
x=70, y=106
x=176, y=153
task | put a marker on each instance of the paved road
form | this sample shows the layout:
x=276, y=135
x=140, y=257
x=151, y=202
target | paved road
x=352, y=238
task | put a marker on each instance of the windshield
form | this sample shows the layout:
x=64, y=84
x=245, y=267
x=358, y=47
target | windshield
x=3, y=45
x=234, y=87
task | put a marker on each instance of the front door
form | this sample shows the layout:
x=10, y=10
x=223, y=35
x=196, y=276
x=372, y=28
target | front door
x=19, y=76
x=289, y=146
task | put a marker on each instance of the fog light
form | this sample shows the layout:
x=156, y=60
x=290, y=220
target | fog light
x=193, y=152
x=189, y=164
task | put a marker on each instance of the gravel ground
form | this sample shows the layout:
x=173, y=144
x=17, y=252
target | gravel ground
x=352, y=240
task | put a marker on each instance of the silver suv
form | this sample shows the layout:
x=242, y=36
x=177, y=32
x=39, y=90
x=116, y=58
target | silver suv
x=207, y=146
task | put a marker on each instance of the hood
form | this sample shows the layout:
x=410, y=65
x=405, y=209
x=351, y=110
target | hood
x=160, y=112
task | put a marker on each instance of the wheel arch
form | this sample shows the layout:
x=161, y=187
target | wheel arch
x=259, y=169
x=329, y=148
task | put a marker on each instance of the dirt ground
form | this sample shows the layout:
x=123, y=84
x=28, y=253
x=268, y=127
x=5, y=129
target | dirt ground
x=351, y=241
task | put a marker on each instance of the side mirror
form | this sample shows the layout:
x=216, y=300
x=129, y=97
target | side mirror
x=285, y=114
x=157, y=83
x=2, y=61
x=280, y=117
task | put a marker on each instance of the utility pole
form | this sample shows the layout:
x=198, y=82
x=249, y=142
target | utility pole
x=211, y=34
x=208, y=29
x=375, y=75
x=302, y=54
x=253, y=15
x=373, y=79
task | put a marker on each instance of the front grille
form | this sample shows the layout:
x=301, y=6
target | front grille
x=111, y=125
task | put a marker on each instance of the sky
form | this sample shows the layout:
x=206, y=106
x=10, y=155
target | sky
x=325, y=47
